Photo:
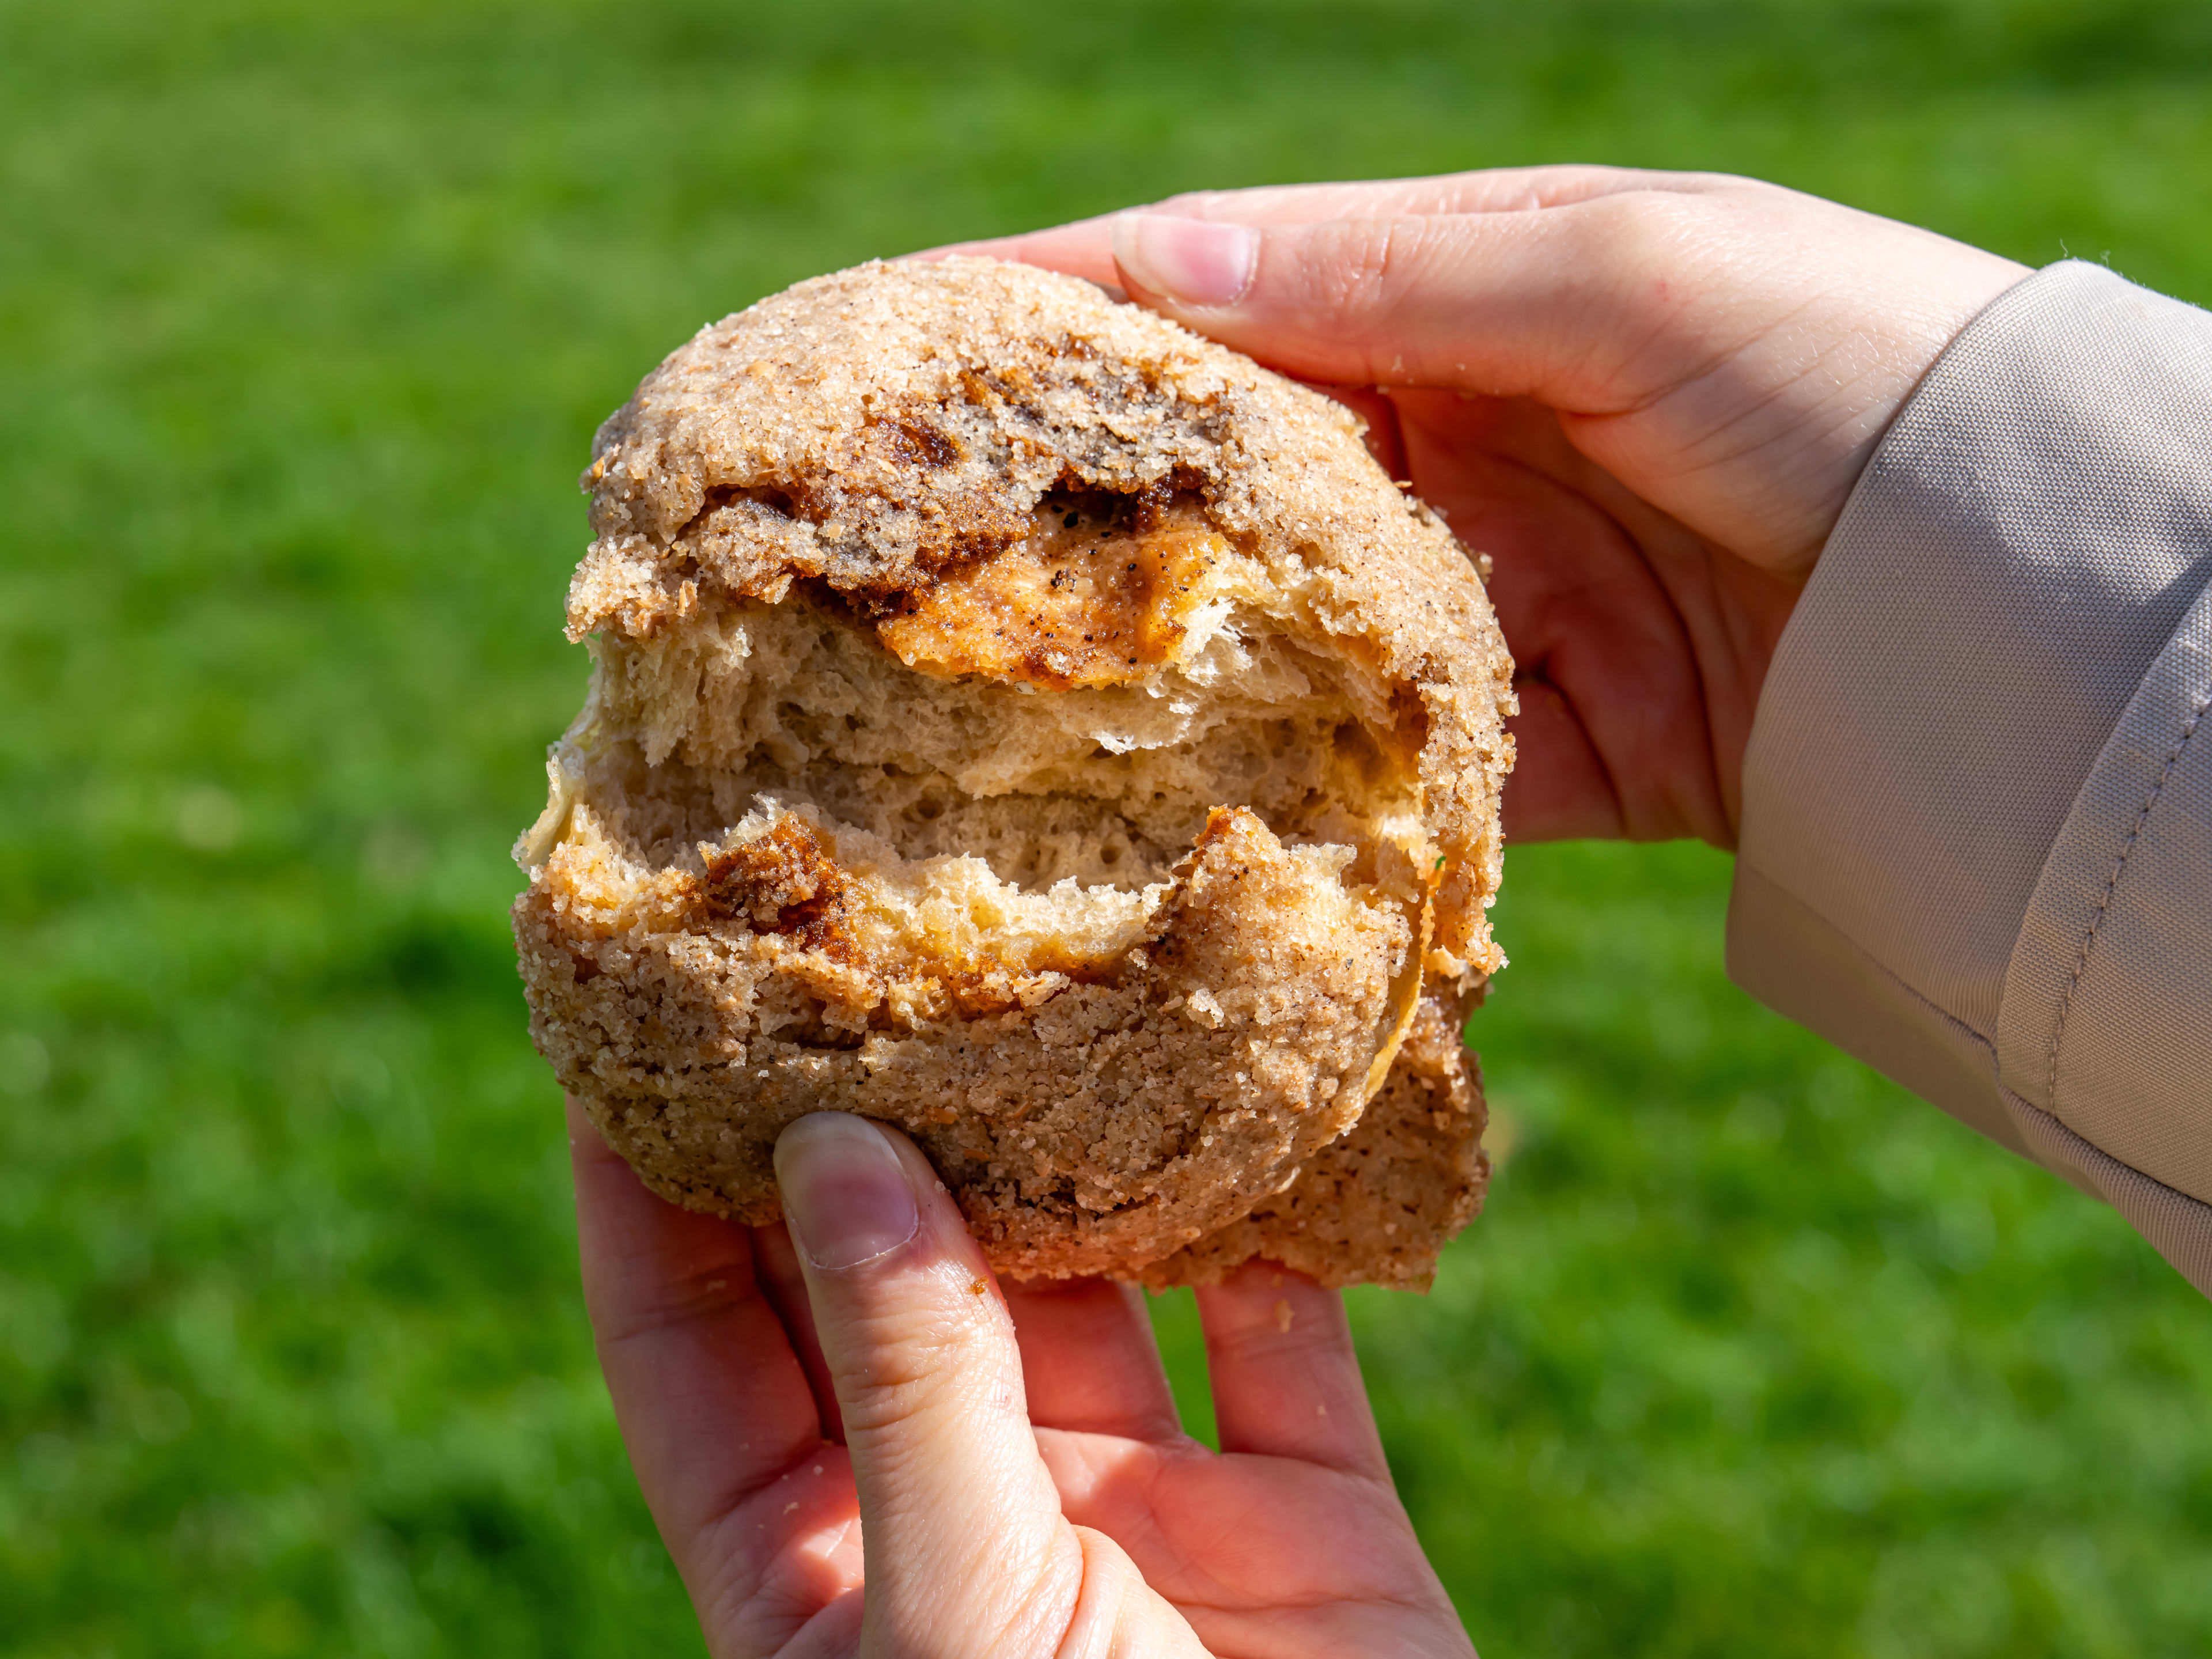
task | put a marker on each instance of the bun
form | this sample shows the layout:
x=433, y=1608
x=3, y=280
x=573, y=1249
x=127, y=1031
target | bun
x=1377, y=1204
x=1018, y=719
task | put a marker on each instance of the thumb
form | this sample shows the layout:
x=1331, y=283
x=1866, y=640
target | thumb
x=1542, y=303
x=1730, y=351
x=965, y=1550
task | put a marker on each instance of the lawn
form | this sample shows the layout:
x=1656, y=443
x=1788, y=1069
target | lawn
x=306, y=314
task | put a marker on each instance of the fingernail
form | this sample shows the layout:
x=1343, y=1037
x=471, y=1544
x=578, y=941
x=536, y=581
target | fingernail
x=845, y=1192
x=1193, y=261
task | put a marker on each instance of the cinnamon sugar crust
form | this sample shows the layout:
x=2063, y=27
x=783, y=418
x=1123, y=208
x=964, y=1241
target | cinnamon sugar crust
x=1376, y=1205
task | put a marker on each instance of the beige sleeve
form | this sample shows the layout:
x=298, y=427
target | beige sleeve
x=1977, y=846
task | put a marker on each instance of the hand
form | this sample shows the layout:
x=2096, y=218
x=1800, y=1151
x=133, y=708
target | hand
x=1645, y=395
x=866, y=1445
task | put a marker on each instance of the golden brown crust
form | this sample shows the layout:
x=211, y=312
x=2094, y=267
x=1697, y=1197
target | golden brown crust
x=1378, y=1204
x=917, y=585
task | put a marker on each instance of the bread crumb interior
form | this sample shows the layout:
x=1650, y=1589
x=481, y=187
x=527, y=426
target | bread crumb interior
x=993, y=785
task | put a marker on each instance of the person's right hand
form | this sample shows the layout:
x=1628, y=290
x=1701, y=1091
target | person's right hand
x=1645, y=395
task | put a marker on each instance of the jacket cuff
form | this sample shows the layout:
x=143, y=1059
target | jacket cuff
x=1975, y=848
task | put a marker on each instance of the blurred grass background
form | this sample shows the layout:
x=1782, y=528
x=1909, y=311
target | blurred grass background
x=306, y=313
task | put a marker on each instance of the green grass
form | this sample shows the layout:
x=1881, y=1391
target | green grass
x=306, y=313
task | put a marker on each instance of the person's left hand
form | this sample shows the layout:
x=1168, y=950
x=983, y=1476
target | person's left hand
x=837, y=1439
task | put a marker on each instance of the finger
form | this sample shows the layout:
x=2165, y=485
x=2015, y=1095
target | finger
x=712, y=1402
x=775, y=1264
x=1559, y=789
x=1483, y=190
x=1085, y=247
x=1614, y=734
x=1551, y=303
x=1090, y=1361
x=961, y=1529
x=1285, y=1381
x=755, y=1509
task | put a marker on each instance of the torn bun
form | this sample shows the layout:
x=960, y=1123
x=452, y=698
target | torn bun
x=1020, y=720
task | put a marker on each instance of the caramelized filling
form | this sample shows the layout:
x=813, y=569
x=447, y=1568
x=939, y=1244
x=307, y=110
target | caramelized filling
x=1087, y=599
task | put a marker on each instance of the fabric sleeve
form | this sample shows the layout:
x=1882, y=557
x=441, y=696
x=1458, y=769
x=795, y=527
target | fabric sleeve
x=1977, y=837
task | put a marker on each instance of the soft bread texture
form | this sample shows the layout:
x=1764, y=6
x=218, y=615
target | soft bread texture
x=1018, y=719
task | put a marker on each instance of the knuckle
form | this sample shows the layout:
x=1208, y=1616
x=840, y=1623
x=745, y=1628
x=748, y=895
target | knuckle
x=1568, y=182
x=918, y=1370
x=1645, y=232
x=1637, y=256
x=1636, y=225
x=1363, y=276
x=1372, y=263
